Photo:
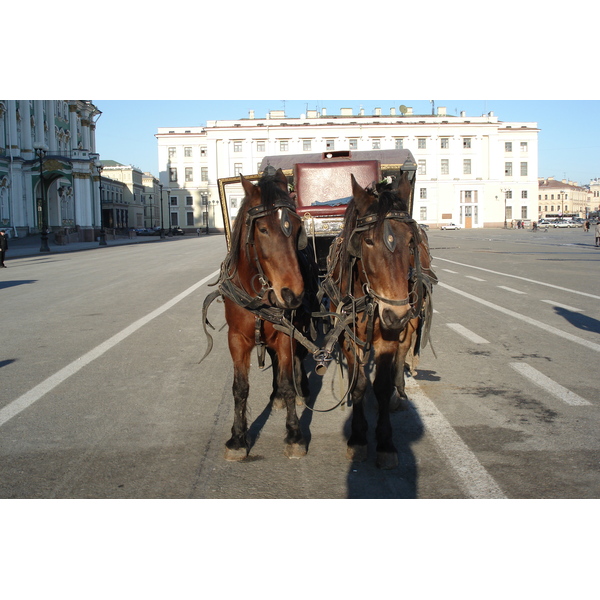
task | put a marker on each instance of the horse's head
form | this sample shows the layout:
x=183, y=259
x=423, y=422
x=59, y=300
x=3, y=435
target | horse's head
x=273, y=235
x=382, y=239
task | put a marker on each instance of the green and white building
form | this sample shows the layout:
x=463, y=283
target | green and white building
x=49, y=164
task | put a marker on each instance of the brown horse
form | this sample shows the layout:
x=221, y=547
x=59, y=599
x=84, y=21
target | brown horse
x=379, y=273
x=262, y=283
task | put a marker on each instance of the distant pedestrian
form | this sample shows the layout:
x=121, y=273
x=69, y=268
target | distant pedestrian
x=198, y=231
x=598, y=233
x=3, y=247
x=586, y=226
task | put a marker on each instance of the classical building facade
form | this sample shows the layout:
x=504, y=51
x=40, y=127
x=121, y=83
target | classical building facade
x=562, y=199
x=49, y=167
x=475, y=171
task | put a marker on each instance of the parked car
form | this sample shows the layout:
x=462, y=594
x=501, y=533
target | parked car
x=451, y=226
x=561, y=224
x=177, y=231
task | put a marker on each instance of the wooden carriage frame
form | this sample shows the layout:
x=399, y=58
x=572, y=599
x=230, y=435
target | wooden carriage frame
x=386, y=163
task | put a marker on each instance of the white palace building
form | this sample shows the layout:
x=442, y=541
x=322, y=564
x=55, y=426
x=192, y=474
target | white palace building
x=473, y=171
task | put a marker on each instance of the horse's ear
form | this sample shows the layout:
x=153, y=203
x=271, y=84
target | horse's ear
x=359, y=195
x=281, y=180
x=247, y=185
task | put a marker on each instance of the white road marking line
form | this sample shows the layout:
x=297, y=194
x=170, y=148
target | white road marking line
x=508, y=289
x=467, y=333
x=562, y=393
x=474, y=278
x=571, y=308
x=556, y=287
x=475, y=481
x=449, y=271
x=530, y=321
x=34, y=394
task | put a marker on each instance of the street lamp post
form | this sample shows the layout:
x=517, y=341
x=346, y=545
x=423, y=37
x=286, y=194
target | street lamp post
x=162, y=223
x=41, y=150
x=102, y=230
x=505, y=192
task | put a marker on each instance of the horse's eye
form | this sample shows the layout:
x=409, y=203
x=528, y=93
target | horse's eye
x=369, y=242
x=263, y=229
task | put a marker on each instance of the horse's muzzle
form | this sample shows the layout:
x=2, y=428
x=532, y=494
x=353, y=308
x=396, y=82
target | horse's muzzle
x=289, y=299
x=390, y=319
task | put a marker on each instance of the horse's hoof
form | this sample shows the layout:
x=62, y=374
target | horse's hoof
x=357, y=453
x=278, y=403
x=235, y=455
x=399, y=402
x=295, y=450
x=387, y=460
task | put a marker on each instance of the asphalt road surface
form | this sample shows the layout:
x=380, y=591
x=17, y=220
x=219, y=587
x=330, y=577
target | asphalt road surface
x=102, y=395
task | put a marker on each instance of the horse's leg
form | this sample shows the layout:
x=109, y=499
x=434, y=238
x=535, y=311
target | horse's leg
x=387, y=456
x=236, y=448
x=357, y=442
x=277, y=401
x=295, y=445
x=404, y=359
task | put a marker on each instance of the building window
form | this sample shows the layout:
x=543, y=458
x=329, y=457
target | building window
x=445, y=143
x=421, y=143
x=524, y=169
x=508, y=195
x=467, y=166
x=507, y=146
x=306, y=145
x=187, y=152
x=173, y=201
x=260, y=146
x=172, y=152
x=523, y=193
x=399, y=143
x=376, y=144
x=204, y=199
x=423, y=213
x=508, y=169
x=189, y=201
x=204, y=174
x=203, y=153
x=283, y=145
x=172, y=174
x=189, y=218
x=174, y=219
x=353, y=144
x=422, y=167
x=466, y=142
x=423, y=193
x=237, y=169
x=189, y=173
x=523, y=212
x=524, y=147
x=445, y=166
x=329, y=144
x=237, y=146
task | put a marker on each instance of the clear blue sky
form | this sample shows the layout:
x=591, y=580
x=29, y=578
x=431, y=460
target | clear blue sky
x=569, y=140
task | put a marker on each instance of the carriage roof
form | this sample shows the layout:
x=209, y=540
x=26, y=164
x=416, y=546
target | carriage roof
x=285, y=162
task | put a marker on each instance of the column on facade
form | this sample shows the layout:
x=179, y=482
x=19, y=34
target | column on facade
x=73, y=126
x=26, y=141
x=38, y=115
x=85, y=129
x=50, y=112
x=2, y=127
x=13, y=142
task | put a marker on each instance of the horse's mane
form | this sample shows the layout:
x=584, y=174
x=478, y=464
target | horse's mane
x=270, y=192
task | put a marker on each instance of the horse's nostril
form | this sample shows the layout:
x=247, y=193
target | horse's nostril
x=291, y=300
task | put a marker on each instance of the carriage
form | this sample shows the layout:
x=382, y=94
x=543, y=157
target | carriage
x=322, y=188
x=328, y=238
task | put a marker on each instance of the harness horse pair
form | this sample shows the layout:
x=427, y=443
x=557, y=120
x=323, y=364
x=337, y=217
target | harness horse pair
x=375, y=297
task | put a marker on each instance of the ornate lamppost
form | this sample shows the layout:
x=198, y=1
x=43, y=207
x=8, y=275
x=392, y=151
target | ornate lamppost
x=40, y=151
x=102, y=230
x=505, y=192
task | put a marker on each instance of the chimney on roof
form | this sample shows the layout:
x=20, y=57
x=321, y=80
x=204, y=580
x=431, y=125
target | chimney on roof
x=324, y=112
x=251, y=114
x=362, y=112
x=441, y=111
x=409, y=110
x=377, y=112
x=393, y=111
x=463, y=113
